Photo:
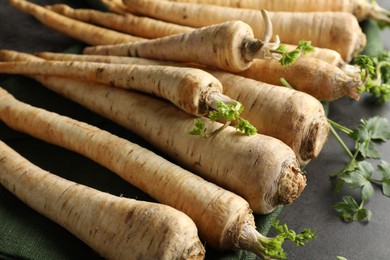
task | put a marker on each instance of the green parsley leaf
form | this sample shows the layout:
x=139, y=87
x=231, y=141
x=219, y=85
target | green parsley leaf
x=382, y=57
x=384, y=171
x=305, y=236
x=375, y=129
x=360, y=178
x=368, y=150
x=299, y=239
x=360, y=133
x=350, y=211
x=305, y=47
x=272, y=246
x=231, y=112
x=245, y=127
x=379, y=127
x=376, y=75
x=199, y=128
x=227, y=112
x=365, y=62
x=358, y=173
x=289, y=57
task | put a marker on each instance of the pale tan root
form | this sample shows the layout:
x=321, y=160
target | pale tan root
x=84, y=32
x=115, y=6
x=328, y=55
x=362, y=9
x=89, y=58
x=218, y=213
x=296, y=118
x=193, y=90
x=229, y=46
x=338, y=31
x=323, y=29
x=301, y=123
x=150, y=28
x=263, y=159
x=325, y=54
x=103, y=221
x=315, y=77
x=222, y=217
x=333, y=58
x=190, y=14
x=280, y=5
x=126, y=23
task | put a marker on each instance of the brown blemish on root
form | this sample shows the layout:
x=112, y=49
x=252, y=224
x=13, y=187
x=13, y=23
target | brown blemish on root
x=314, y=139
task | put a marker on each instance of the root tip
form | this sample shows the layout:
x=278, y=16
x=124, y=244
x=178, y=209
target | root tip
x=291, y=185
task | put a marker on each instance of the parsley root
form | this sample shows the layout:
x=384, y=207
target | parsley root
x=127, y=23
x=306, y=138
x=233, y=228
x=272, y=173
x=296, y=118
x=115, y=227
x=318, y=78
x=85, y=32
x=193, y=90
x=339, y=78
x=230, y=46
x=362, y=9
x=332, y=57
x=323, y=29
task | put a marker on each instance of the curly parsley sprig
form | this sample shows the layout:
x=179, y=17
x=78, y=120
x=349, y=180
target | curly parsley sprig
x=289, y=57
x=272, y=246
x=375, y=74
x=227, y=113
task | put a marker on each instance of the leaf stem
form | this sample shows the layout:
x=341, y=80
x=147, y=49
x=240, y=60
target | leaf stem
x=338, y=138
x=342, y=128
x=224, y=109
x=378, y=71
x=285, y=83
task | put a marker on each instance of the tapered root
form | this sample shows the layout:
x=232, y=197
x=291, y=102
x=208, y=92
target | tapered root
x=262, y=49
x=115, y=227
x=365, y=9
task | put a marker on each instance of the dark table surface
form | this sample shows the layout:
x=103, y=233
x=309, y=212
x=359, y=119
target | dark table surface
x=355, y=241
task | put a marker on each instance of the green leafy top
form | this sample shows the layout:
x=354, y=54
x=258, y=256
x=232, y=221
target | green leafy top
x=350, y=210
x=375, y=75
x=289, y=57
x=370, y=131
x=384, y=171
x=225, y=112
x=272, y=246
